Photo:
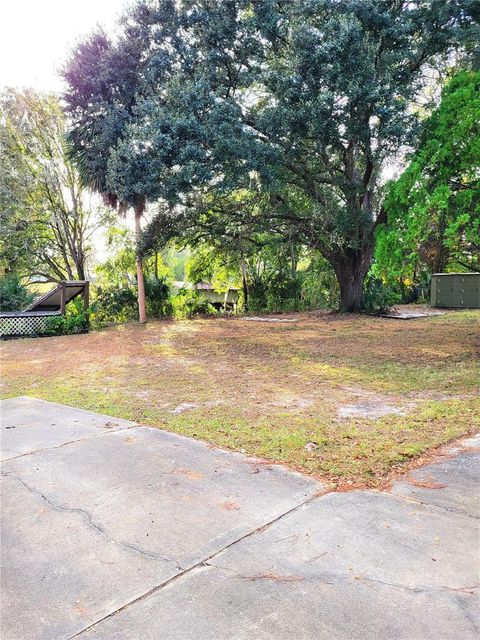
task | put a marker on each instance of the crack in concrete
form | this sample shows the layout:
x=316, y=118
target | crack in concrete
x=473, y=620
x=65, y=444
x=420, y=589
x=201, y=563
x=91, y=523
x=432, y=505
x=338, y=579
x=205, y=562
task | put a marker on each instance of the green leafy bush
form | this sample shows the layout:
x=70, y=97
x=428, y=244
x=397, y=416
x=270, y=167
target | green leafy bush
x=315, y=287
x=319, y=287
x=187, y=304
x=284, y=293
x=157, y=293
x=75, y=320
x=119, y=303
x=14, y=296
x=115, y=304
x=377, y=296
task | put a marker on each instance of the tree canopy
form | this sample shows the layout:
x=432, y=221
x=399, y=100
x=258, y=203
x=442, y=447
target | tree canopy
x=46, y=219
x=103, y=80
x=309, y=98
x=434, y=207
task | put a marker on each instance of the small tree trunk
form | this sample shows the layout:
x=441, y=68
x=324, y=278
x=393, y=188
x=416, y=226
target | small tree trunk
x=244, y=284
x=142, y=311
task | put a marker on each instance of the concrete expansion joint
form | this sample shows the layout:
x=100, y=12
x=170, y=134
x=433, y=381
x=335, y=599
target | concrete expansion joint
x=205, y=562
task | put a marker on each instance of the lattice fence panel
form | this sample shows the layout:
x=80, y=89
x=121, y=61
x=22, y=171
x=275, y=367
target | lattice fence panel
x=25, y=325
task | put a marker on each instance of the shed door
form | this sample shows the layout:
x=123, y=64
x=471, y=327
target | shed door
x=444, y=291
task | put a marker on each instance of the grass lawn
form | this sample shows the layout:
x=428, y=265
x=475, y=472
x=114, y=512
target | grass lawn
x=349, y=398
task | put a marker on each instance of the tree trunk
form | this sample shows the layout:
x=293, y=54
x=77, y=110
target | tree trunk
x=142, y=311
x=351, y=289
x=351, y=272
x=80, y=267
x=440, y=259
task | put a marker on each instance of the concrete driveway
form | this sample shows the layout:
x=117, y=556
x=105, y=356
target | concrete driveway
x=112, y=531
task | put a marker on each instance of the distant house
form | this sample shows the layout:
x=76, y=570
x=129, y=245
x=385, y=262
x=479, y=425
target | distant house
x=227, y=300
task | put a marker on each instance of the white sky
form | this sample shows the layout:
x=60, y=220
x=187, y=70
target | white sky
x=36, y=37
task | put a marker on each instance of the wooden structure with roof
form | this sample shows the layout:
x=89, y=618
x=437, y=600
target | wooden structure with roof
x=206, y=291
x=34, y=319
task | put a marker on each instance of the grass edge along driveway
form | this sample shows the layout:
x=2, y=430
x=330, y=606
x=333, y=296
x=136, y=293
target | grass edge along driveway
x=351, y=399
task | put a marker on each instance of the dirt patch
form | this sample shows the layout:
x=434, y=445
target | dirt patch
x=371, y=410
x=268, y=319
x=189, y=406
x=373, y=405
x=190, y=474
x=184, y=406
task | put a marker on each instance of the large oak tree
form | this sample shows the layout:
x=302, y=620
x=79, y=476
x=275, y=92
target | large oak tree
x=313, y=97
